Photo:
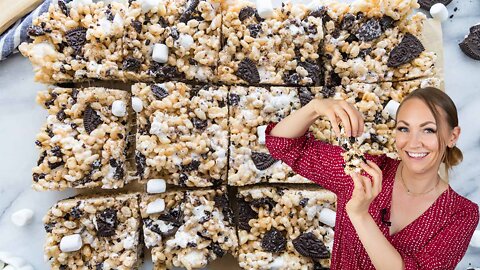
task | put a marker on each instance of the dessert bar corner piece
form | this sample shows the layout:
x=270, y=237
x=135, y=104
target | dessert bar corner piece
x=285, y=228
x=83, y=142
x=182, y=133
x=188, y=229
x=77, y=42
x=94, y=232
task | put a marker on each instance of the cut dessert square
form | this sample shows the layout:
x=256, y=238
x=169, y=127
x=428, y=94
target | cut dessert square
x=83, y=142
x=283, y=49
x=374, y=42
x=77, y=42
x=182, y=133
x=285, y=228
x=251, y=110
x=89, y=232
x=188, y=229
x=173, y=39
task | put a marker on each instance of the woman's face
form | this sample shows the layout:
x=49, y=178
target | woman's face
x=416, y=137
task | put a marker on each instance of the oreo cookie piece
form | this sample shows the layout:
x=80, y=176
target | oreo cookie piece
x=131, y=64
x=76, y=38
x=106, y=222
x=262, y=160
x=348, y=22
x=91, y=120
x=304, y=95
x=246, y=13
x=427, y=4
x=471, y=44
x=35, y=31
x=369, y=31
x=254, y=29
x=409, y=48
x=386, y=22
x=245, y=214
x=187, y=14
x=308, y=245
x=159, y=92
x=63, y=7
x=247, y=71
x=274, y=241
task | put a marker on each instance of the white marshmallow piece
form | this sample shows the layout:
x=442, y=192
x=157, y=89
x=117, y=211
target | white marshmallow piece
x=160, y=53
x=475, y=241
x=156, y=186
x=119, y=108
x=327, y=216
x=156, y=206
x=439, y=12
x=391, y=108
x=22, y=217
x=265, y=8
x=71, y=243
x=137, y=104
x=148, y=5
x=261, y=134
x=185, y=41
x=314, y=5
x=2, y=265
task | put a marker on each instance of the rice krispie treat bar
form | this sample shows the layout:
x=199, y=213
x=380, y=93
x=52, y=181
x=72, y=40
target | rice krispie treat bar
x=182, y=133
x=173, y=39
x=283, y=49
x=77, y=42
x=188, y=229
x=372, y=41
x=83, y=142
x=285, y=228
x=94, y=233
x=251, y=110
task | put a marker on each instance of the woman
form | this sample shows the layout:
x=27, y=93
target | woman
x=401, y=215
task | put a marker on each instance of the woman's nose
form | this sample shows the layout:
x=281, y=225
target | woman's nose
x=414, y=140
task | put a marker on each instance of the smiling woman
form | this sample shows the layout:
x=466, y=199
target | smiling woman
x=399, y=214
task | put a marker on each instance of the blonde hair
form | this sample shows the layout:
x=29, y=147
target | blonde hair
x=435, y=98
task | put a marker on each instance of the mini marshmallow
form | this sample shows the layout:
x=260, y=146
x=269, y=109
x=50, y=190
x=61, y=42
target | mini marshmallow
x=439, y=12
x=265, y=8
x=160, y=53
x=22, y=217
x=71, y=243
x=156, y=186
x=156, y=206
x=2, y=265
x=185, y=41
x=327, y=216
x=475, y=241
x=119, y=108
x=363, y=137
x=137, y=104
x=261, y=134
x=148, y=5
x=391, y=108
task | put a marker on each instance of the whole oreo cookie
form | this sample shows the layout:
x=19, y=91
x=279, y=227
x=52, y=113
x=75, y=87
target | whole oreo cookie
x=471, y=44
x=427, y=4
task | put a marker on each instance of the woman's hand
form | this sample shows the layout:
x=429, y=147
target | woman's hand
x=365, y=190
x=340, y=111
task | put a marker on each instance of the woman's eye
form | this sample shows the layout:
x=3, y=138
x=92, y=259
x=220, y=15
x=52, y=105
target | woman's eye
x=430, y=130
x=402, y=129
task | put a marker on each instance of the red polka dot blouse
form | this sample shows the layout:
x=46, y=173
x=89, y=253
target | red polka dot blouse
x=438, y=239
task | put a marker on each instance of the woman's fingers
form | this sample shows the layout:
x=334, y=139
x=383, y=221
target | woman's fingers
x=333, y=119
x=372, y=169
x=358, y=187
x=343, y=115
x=356, y=119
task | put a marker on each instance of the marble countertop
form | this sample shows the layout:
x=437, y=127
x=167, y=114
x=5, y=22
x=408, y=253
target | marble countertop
x=21, y=118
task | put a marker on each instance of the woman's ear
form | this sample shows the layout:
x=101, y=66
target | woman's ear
x=454, y=134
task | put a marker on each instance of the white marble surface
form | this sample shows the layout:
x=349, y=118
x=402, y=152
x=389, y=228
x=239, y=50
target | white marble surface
x=21, y=118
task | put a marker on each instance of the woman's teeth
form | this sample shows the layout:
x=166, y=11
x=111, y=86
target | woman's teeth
x=417, y=155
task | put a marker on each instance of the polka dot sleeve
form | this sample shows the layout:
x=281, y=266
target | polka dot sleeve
x=315, y=160
x=448, y=247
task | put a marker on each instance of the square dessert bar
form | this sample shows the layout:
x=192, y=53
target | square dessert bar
x=374, y=42
x=251, y=110
x=82, y=144
x=173, y=39
x=77, y=42
x=105, y=229
x=283, y=49
x=285, y=228
x=182, y=133
x=188, y=229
